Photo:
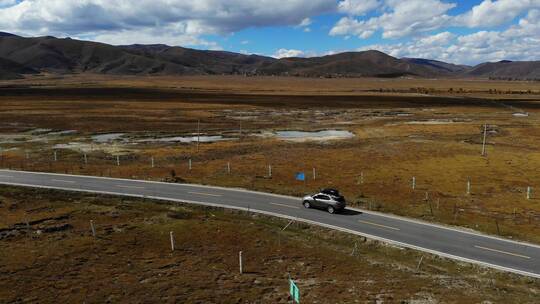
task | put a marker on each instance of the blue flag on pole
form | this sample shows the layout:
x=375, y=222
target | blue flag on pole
x=301, y=176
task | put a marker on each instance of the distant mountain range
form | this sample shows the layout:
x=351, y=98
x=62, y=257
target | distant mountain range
x=20, y=56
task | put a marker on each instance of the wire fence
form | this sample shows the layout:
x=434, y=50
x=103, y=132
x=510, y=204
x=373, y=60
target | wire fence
x=261, y=174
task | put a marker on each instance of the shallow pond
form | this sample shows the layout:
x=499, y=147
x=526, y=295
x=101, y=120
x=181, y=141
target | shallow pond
x=312, y=136
x=188, y=139
x=108, y=137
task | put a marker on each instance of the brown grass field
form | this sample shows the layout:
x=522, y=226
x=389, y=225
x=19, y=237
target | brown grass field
x=403, y=128
x=53, y=258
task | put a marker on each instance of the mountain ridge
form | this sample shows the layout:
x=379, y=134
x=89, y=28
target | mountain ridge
x=29, y=55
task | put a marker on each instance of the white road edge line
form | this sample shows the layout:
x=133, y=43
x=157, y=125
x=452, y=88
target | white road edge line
x=367, y=235
x=283, y=205
x=206, y=194
x=63, y=181
x=8, y=176
x=503, y=252
x=130, y=187
x=379, y=225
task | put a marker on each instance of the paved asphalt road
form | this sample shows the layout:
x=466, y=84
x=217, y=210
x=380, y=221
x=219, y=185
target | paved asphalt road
x=449, y=242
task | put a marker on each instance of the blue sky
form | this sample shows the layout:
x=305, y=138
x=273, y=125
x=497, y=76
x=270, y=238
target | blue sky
x=317, y=39
x=467, y=31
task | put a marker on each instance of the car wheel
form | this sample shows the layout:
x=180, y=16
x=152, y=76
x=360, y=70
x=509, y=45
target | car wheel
x=307, y=204
x=331, y=209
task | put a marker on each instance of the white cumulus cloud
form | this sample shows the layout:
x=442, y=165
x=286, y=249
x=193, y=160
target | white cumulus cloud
x=357, y=7
x=518, y=42
x=155, y=19
x=286, y=53
x=494, y=13
x=400, y=19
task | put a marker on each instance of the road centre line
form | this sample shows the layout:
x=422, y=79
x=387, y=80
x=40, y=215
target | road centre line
x=63, y=181
x=378, y=225
x=503, y=252
x=283, y=205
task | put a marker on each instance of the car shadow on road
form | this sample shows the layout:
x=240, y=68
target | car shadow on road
x=349, y=212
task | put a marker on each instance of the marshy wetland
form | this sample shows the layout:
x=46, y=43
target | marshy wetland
x=368, y=144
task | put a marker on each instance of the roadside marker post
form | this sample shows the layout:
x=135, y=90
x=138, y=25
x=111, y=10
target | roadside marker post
x=189, y=164
x=85, y=159
x=314, y=174
x=55, y=156
x=240, y=262
x=469, y=186
x=269, y=170
x=172, y=240
x=93, y=228
x=419, y=263
x=529, y=193
x=228, y=167
x=414, y=183
x=117, y=160
x=152, y=162
x=287, y=226
x=355, y=248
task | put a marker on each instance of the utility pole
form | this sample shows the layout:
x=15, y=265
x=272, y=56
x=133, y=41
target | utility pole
x=484, y=141
x=198, y=133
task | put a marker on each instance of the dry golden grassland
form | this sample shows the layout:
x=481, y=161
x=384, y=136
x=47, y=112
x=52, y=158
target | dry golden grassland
x=50, y=256
x=436, y=138
x=292, y=85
